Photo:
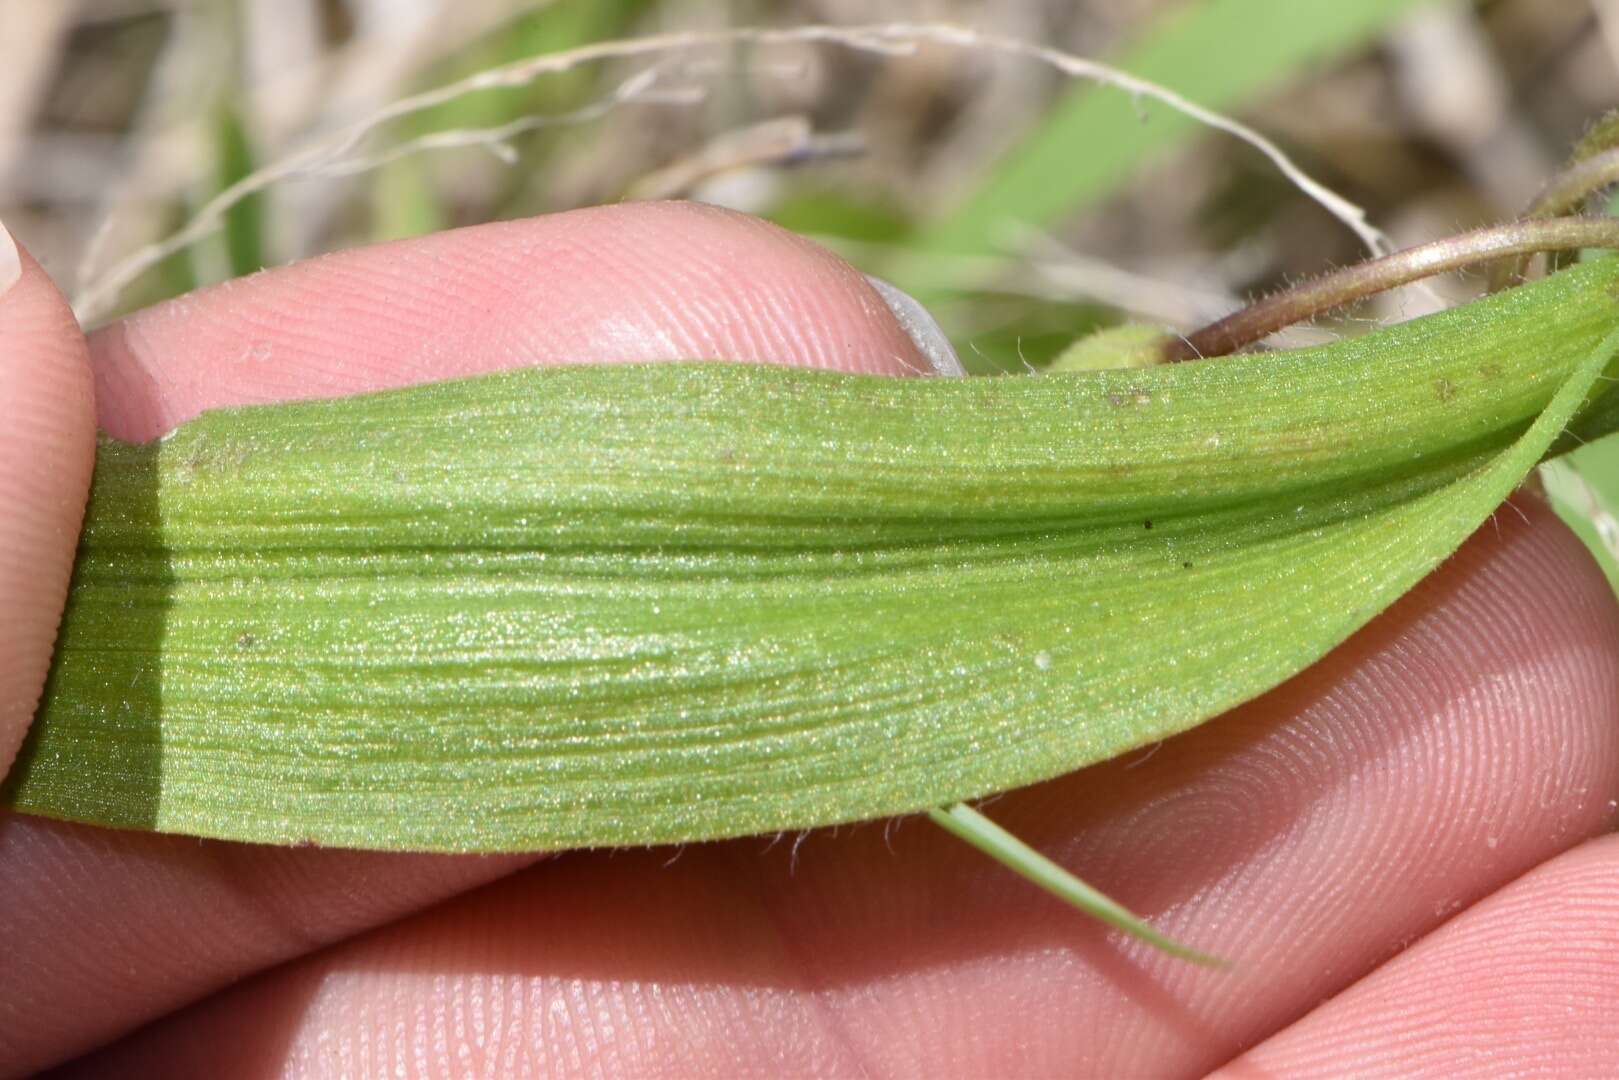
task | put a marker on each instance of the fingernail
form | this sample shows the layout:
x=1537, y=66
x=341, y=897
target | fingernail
x=10, y=261
x=921, y=326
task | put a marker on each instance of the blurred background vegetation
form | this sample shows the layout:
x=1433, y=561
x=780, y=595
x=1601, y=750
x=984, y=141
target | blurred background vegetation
x=1023, y=207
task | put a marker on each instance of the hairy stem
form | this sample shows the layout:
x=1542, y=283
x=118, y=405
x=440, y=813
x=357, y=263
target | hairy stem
x=1374, y=276
x=1592, y=166
x=1567, y=191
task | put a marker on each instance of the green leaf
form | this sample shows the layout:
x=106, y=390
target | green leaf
x=244, y=222
x=1221, y=54
x=404, y=202
x=634, y=604
x=1581, y=487
x=830, y=213
x=965, y=823
x=1127, y=345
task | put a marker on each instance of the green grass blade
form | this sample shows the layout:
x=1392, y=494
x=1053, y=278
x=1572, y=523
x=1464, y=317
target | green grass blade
x=629, y=604
x=244, y=222
x=1221, y=54
x=968, y=824
x=404, y=202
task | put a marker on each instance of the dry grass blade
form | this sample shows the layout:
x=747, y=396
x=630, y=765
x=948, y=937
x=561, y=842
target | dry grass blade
x=890, y=38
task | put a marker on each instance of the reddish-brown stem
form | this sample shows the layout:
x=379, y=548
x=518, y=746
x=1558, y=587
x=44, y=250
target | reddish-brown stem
x=1564, y=193
x=1365, y=279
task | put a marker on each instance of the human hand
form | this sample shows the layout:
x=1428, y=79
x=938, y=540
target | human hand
x=1465, y=738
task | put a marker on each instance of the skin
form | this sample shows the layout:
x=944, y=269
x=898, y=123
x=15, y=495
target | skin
x=1399, y=849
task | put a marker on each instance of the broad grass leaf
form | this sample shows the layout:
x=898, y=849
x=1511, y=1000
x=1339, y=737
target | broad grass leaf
x=633, y=604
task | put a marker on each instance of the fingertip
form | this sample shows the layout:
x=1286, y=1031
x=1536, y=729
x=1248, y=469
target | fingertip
x=47, y=448
x=639, y=282
x=1522, y=984
x=10, y=260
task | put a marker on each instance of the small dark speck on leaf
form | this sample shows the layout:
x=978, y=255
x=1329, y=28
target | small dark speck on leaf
x=1186, y=566
x=1146, y=524
x=1444, y=389
x=246, y=641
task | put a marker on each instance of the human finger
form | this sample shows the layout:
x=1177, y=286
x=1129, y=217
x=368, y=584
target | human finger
x=639, y=282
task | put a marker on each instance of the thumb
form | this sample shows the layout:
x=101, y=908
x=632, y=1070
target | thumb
x=47, y=446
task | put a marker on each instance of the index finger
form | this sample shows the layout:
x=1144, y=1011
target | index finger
x=47, y=442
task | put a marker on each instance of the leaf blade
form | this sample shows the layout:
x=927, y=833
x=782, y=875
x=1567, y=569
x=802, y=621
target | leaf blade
x=1091, y=142
x=613, y=605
